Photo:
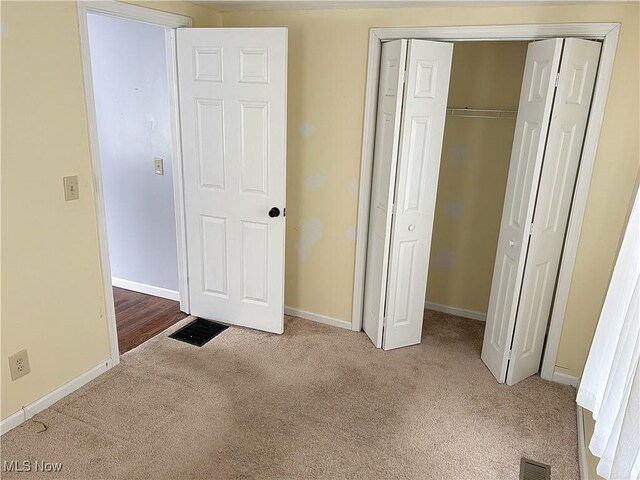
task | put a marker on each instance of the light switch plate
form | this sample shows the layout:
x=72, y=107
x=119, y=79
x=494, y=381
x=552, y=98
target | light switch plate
x=19, y=364
x=71, y=188
x=158, y=164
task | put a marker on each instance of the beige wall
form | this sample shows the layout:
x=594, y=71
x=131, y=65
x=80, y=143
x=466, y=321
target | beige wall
x=473, y=173
x=52, y=300
x=327, y=74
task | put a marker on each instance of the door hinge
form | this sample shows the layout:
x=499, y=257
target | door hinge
x=557, y=79
x=509, y=355
x=404, y=76
x=531, y=229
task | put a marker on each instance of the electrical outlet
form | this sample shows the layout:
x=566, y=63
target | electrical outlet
x=158, y=165
x=71, y=188
x=19, y=364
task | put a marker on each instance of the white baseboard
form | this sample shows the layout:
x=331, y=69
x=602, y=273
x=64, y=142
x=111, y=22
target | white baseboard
x=565, y=379
x=460, y=312
x=28, y=411
x=314, y=317
x=144, y=288
x=582, y=445
x=11, y=422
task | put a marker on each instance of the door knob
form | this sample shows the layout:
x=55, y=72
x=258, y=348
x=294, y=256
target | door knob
x=411, y=228
x=512, y=243
x=274, y=212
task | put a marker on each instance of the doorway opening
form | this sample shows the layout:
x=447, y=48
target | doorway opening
x=484, y=92
x=531, y=189
x=130, y=75
x=229, y=192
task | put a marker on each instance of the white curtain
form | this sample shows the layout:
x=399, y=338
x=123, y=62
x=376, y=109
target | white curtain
x=610, y=385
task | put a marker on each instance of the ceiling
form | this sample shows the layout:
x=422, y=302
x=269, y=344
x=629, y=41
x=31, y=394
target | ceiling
x=226, y=5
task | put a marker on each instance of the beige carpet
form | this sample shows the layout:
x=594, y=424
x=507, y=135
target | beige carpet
x=317, y=402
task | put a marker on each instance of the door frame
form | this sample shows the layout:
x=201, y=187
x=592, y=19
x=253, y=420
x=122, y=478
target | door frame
x=169, y=22
x=608, y=33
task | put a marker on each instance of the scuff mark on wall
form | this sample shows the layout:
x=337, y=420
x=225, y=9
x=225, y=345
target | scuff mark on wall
x=313, y=182
x=306, y=130
x=310, y=235
x=445, y=259
x=458, y=153
x=454, y=209
x=350, y=232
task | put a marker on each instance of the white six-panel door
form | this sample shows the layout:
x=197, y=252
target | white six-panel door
x=232, y=89
x=392, y=64
x=532, y=125
x=559, y=170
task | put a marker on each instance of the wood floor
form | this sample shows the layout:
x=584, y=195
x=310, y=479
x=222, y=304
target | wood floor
x=140, y=317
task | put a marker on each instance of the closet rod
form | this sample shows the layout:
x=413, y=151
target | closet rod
x=481, y=113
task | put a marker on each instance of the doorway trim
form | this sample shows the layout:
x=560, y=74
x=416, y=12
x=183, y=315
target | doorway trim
x=170, y=22
x=608, y=33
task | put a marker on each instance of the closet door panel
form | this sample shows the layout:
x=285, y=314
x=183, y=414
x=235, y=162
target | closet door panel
x=578, y=70
x=382, y=190
x=532, y=124
x=423, y=117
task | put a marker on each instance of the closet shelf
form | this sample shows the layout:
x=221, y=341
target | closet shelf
x=480, y=113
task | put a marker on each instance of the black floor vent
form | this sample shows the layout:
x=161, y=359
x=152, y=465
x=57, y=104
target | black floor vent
x=531, y=470
x=198, y=332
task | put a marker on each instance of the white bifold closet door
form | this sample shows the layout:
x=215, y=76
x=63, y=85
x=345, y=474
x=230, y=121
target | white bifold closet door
x=232, y=89
x=392, y=65
x=571, y=105
x=412, y=103
x=552, y=117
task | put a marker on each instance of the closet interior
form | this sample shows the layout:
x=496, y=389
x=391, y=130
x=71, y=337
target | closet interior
x=486, y=78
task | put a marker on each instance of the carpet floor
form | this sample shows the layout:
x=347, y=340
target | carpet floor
x=316, y=402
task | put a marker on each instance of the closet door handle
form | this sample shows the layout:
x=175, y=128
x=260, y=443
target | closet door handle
x=512, y=243
x=411, y=227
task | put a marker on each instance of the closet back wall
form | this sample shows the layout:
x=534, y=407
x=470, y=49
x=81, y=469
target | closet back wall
x=473, y=173
x=128, y=62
